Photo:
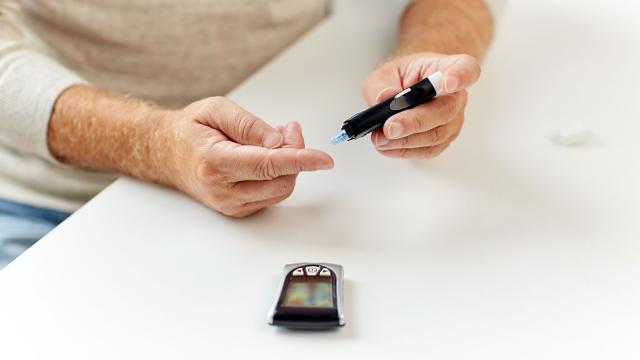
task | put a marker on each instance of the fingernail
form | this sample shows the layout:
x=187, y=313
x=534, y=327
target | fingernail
x=381, y=140
x=271, y=140
x=323, y=164
x=395, y=130
x=451, y=83
x=387, y=92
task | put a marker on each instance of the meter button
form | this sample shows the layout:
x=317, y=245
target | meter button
x=312, y=270
x=325, y=272
x=298, y=272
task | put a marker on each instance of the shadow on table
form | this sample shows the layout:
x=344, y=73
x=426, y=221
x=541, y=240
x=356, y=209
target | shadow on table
x=304, y=224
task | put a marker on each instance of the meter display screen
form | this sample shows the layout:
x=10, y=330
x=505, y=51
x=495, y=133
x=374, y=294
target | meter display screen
x=304, y=293
x=309, y=297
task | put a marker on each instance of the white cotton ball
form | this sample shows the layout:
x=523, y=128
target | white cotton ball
x=574, y=135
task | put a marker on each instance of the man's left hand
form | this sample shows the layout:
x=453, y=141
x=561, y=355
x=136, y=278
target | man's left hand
x=426, y=130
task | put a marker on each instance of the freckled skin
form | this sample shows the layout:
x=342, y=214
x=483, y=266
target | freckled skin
x=212, y=150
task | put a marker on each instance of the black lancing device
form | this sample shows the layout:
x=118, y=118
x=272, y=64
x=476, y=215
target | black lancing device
x=374, y=117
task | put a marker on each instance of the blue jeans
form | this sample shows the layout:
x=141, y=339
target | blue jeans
x=22, y=225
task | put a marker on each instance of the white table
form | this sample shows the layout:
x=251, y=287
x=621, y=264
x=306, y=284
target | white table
x=505, y=247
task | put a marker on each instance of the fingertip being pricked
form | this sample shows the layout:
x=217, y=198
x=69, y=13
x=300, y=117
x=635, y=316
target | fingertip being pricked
x=323, y=160
x=325, y=164
x=312, y=160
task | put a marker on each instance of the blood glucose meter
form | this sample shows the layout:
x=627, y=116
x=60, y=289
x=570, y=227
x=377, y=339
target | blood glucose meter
x=309, y=297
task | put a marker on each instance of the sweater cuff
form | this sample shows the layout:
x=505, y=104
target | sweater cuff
x=30, y=83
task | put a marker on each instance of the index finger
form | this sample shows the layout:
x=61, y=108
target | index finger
x=425, y=117
x=246, y=162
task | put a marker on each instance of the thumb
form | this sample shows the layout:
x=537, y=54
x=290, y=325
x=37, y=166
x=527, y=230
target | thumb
x=460, y=72
x=242, y=126
x=387, y=93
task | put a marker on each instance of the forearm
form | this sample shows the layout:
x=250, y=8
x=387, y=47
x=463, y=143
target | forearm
x=97, y=130
x=445, y=26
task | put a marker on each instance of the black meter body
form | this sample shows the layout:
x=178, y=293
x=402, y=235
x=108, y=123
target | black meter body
x=309, y=297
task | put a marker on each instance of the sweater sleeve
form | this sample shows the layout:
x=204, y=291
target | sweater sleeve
x=30, y=83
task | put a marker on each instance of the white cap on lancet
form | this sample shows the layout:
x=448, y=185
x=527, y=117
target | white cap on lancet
x=437, y=80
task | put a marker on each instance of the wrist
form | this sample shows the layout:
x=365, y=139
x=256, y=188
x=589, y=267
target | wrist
x=446, y=27
x=162, y=152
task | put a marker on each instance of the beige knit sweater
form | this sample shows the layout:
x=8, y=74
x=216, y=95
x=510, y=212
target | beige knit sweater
x=169, y=51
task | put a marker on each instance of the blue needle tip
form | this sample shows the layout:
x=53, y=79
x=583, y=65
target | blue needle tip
x=340, y=137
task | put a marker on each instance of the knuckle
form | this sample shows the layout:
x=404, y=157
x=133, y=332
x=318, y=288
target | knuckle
x=405, y=141
x=212, y=103
x=208, y=169
x=220, y=200
x=204, y=172
x=245, y=123
x=438, y=135
x=216, y=100
x=266, y=169
x=416, y=121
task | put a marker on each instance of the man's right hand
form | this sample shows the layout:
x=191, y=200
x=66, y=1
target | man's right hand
x=212, y=150
x=234, y=162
